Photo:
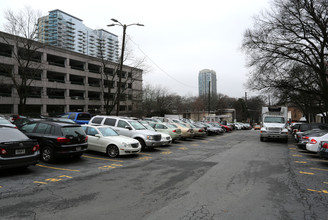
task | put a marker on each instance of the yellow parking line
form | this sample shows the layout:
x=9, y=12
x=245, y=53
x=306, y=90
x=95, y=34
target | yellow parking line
x=40, y=182
x=300, y=162
x=308, y=173
x=56, y=168
x=0, y=187
x=325, y=182
x=319, y=169
x=292, y=148
x=99, y=158
x=323, y=161
x=323, y=191
x=297, y=155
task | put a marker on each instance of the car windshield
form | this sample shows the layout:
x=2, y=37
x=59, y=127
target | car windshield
x=107, y=132
x=11, y=134
x=171, y=126
x=182, y=125
x=149, y=127
x=274, y=120
x=72, y=131
x=137, y=125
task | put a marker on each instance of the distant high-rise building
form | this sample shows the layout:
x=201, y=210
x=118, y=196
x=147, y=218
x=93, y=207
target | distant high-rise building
x=207, y=82
x=66, y=31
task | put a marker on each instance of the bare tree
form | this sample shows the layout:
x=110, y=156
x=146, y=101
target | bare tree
x=292, y=36
x=109, y=74
x=23, y=27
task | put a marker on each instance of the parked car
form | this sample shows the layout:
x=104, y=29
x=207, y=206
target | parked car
x=198, y=131
x=78, y=117
x=211, y=129
x=57, y=139
x=22, y=120
x=169, y=129
x=305, y=127
x=130, y=128
x=185, y=131
x=16, y=149
x=104, y=139
x=314, y=140
x=323, y=149
x=13, y=118
x=217, y=125
x=166, y=138
x=303, y=138
x=5, y=122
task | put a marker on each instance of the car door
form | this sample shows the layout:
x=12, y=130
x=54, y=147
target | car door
x=121, y=128
x=93, y=141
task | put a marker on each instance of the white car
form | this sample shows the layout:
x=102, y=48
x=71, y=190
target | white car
x=166, y=138
x=104, y=139
x=313, y=142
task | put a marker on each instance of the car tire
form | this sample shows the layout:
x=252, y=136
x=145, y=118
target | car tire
x=47, y=154
x=142, y=143
x=112, y=151
x=261, y=139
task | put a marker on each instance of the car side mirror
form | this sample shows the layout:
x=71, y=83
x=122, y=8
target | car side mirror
x=128, y=127
x=97, y=135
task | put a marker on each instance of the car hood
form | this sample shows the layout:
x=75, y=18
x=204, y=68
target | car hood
x=147, y=132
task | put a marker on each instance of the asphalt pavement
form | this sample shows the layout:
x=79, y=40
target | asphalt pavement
x=230, y=176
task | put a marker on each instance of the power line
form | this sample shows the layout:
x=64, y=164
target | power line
x=153, y=62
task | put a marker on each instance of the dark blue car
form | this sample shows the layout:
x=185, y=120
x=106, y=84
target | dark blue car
x=78, y=117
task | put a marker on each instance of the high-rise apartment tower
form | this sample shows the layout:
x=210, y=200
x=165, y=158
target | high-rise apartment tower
x=207, y=82
x=66, y=31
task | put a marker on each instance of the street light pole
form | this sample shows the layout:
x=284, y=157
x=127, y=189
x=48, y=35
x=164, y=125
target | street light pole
x=118, y=97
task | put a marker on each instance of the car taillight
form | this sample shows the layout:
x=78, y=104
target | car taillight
x=36, y=148
x=63, y=140
x=305, y=137
x=324, y=145
x=200, y=130
x=86, y=138
x=313, y=141
x=3, y=151
x=174, y=131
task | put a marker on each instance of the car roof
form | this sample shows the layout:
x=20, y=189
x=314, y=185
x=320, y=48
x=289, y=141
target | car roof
x=61, y=124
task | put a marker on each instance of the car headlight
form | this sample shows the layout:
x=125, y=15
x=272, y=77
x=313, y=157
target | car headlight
x=150, y=137
x=125, y=145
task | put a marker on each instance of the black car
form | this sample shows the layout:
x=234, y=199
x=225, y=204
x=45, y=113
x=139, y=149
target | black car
x=16, y=149
x=57, y=139
x=323, y=149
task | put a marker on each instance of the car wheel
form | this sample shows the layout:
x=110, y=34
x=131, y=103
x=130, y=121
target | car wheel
x=112, y=151
x=47, y=154
x=262, y=139
x=142, y=143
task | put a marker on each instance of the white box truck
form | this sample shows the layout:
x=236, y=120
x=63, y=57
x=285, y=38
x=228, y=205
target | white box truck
x=274, y=123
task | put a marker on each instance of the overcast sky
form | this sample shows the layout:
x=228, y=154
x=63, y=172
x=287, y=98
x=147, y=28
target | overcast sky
x=180, y=37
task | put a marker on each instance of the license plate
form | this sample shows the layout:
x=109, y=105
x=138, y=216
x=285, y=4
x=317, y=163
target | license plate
x=20, y=151
x=78, y=148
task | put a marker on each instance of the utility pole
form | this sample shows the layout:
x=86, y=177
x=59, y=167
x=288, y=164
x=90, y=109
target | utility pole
x=121, y=61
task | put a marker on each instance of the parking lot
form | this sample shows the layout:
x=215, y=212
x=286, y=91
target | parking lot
x=93, y=163
x=226, y=176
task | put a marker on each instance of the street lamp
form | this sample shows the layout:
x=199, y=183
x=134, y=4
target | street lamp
x=121, y=60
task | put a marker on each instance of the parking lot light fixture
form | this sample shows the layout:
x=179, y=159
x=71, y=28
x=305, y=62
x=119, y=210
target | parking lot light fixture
x=116, y=22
